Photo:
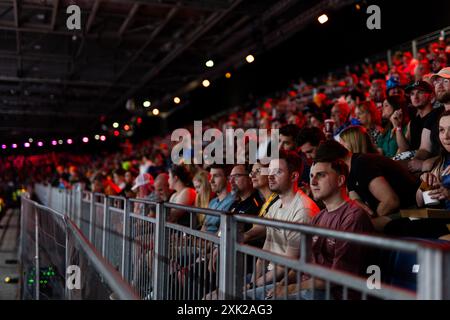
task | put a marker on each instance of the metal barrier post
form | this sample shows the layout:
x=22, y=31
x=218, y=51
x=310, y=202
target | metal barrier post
x=431, y=285
x=80, y=206
x=66, y=288
x=160, y=252
x=228, y=287
x=91, y=218
x=105, y=215
x=36, y=240
x=126, y=252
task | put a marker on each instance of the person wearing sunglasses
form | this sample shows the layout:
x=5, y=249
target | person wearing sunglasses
x=260, y=180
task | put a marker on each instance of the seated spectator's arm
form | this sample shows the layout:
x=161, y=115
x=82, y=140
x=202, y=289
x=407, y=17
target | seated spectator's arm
x=354, y=196
x=419, y=198
x=184, y=199
x=402, y=140
x=425, y=145
x=383, y=192
x=256, y=232
x=269, y=277
x=429, y=164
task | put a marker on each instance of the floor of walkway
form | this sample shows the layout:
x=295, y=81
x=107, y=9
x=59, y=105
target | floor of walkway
x=9, y=267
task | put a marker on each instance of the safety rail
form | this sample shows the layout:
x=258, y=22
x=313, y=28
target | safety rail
x=163, y=260
x=46, y=236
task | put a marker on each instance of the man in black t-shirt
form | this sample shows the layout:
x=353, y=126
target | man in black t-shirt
x=424, y=127
x=380, y=184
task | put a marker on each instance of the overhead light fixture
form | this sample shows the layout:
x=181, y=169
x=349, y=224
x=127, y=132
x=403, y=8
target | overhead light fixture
x=323, y=18
x=4, y=146
x=102, y=138
x=206, y=83
x=54, y=143
x=97, y=137
x=30, y=140
x=176, y=100
x=126, y=127
x=115, y=125
x=250, y=58
x=26, y=144
x=60, y=142
x=147, y=104
x=69, y=141
x=85, y=139
x=40, y=144
x=155, y=112
x=228, y=75
x=358, y=7
x=14, y=146
x=209, y=63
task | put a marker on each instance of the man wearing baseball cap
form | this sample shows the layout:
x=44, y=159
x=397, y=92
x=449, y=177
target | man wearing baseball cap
x=441, y=82
x=424, y=125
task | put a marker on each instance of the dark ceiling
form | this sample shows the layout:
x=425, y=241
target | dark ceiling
x=53, y=80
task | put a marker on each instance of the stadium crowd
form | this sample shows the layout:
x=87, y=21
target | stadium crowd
x=354, y=152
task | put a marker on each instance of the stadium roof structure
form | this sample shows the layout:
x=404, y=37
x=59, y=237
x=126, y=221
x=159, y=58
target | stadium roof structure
x=56, y=80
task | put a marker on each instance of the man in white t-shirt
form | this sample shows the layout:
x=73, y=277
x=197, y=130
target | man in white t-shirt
x=293, y=206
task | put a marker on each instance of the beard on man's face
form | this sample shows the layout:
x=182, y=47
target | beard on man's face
x=444, y=97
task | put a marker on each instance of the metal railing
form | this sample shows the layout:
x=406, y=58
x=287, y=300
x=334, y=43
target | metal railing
x=50, y=242
x=162, y=260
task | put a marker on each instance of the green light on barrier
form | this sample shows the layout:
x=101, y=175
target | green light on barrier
x=30, y=281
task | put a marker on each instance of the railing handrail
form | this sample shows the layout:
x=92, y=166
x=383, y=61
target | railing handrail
x=109, y=274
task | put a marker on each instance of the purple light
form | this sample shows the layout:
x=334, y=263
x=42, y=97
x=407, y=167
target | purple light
x=14, y=146
x=69, y=141
x=102, y=138
x=3, y=146
x=26, y=144
x=40, y=144
x=85, y=139
x=54, y=142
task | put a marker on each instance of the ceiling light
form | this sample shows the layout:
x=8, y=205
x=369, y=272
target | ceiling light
x=323, y=18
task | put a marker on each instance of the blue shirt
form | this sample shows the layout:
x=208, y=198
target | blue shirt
x=213, y=222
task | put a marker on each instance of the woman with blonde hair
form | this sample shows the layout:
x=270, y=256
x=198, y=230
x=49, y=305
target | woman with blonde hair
x=357, y=140
x=204, y=193
x=370, y=118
